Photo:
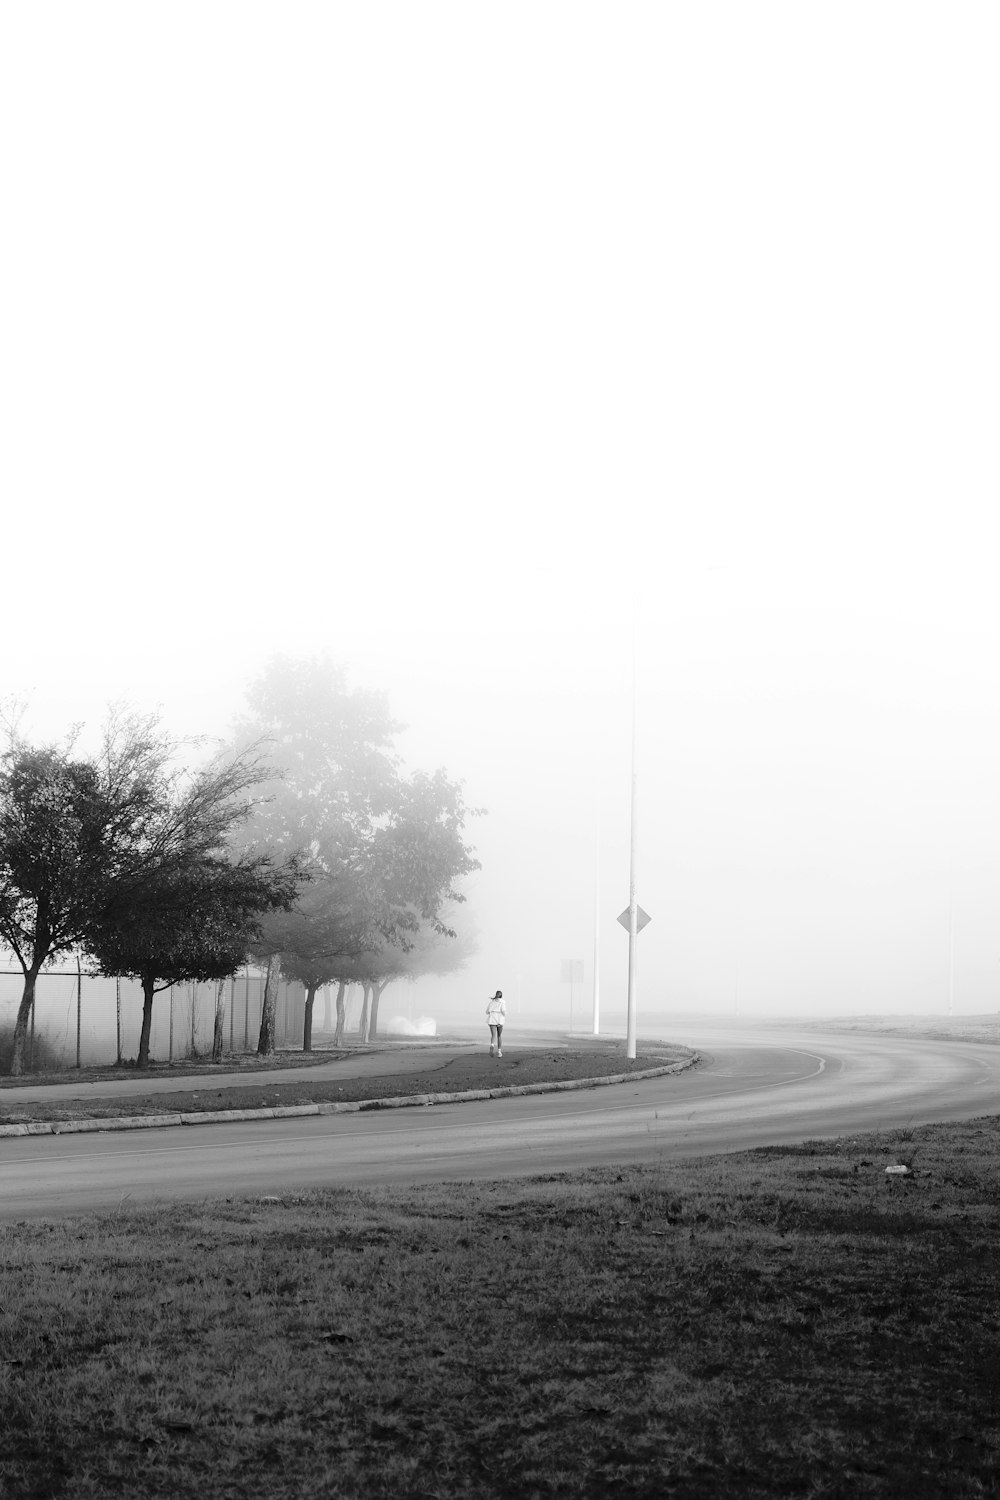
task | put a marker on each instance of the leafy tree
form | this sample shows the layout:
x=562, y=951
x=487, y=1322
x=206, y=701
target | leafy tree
x=332, y=747
x=78, y=836
x=194, y=920
x=323, y=931
x=419, y=857
x=383, y=851
x=429, y=951
x=84, y=841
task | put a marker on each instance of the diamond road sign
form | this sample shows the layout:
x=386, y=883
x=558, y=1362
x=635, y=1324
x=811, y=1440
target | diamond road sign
x=642, y=918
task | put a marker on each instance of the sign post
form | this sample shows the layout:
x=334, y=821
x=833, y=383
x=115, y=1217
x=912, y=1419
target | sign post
x=597, y=934
x=631, y=913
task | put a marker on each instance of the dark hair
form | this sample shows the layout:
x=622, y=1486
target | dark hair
x=498, y=995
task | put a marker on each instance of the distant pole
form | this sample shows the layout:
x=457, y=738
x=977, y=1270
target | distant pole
x=597, y=933
x=951, y=954
x=633, y=930
x=79, y=1006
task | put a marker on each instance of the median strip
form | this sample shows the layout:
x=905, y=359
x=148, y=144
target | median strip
x=286, y=1111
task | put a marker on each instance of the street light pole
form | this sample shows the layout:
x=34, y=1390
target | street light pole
x=597, y=932
x=633, y=928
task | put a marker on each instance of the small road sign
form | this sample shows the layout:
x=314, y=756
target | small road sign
x=642, y=919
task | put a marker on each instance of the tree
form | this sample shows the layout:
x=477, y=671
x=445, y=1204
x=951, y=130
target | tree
x=419, y=856
x=357, y=924
x=52, y=822
x=382, y=851
x=77, y=836
x=325, y=929
x=332, y=747
x=82, y=840
x=194, y=920
x=428, y=951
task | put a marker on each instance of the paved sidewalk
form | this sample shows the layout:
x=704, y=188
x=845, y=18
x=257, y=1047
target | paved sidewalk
x=378, y=1060
x=364, y=1063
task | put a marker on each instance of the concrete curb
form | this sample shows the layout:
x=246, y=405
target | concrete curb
x=286, y=1111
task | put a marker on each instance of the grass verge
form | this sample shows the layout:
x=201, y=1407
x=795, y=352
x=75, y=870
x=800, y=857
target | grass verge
x=787, y=1322
x=459, y=1073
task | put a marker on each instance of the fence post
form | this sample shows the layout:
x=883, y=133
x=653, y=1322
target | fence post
x=171, y=1023
x=79, y=1006
x=118, y=1016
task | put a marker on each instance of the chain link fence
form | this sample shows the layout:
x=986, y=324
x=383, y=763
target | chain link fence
x=82, y=1019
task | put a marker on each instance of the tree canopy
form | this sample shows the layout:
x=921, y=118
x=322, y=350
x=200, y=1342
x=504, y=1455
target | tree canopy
x=196, y=919
x=314, y=861
x=384, y=851
x=92, y=847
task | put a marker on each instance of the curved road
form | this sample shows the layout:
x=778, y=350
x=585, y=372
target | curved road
x=752, y=1088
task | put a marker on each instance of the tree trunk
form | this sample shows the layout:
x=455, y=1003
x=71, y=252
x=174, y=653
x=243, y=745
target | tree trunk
x=220, y=1021
x=21, y=1024
x=307, y=1019
x=327, y=1017
x=338, y=1035
x=268, y=1008
x=376, y=997
x=148, y=981
x=366, y=990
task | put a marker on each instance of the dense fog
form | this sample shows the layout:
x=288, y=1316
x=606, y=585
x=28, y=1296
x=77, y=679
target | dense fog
x=455, y=348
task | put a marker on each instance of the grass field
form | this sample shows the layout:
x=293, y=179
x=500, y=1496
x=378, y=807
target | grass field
x=782, y=1322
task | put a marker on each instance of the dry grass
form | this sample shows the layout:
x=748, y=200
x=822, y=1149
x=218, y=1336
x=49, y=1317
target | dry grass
x=975, y=1028
x=785, y=1322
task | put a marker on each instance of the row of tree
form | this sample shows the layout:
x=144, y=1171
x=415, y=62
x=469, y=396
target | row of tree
x=302, y=846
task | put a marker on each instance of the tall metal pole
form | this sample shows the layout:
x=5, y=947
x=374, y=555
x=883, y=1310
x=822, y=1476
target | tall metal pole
x=633, y=931
x=597, y=933
x=951, y=954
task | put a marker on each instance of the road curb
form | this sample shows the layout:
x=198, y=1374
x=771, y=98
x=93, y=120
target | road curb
x=287, y=1111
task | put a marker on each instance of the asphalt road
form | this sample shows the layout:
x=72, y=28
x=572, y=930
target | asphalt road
x=751, y=1089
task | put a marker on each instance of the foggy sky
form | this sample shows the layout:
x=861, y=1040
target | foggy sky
x=443, y=339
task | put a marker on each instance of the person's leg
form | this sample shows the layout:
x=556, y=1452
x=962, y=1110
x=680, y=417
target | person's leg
x=499, y=1041
x=493, y=1037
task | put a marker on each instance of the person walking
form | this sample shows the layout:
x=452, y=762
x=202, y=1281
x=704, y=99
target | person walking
x=496, y=1015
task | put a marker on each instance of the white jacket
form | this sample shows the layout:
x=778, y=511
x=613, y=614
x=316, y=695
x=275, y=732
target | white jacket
x=496, y=1012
